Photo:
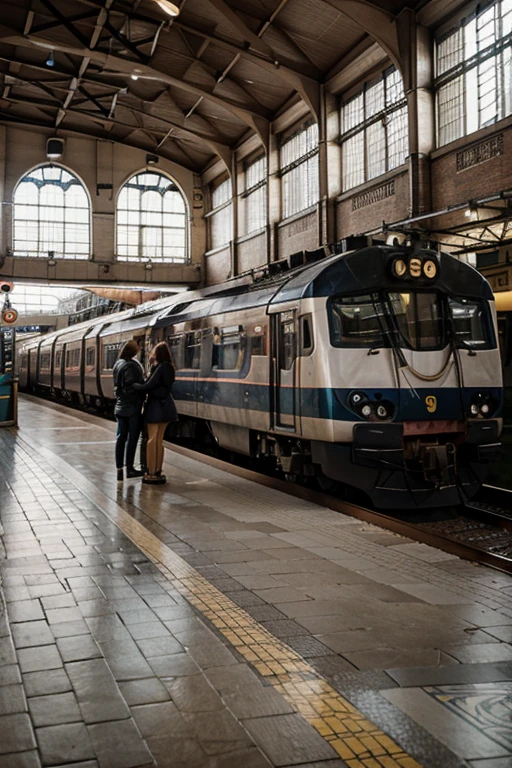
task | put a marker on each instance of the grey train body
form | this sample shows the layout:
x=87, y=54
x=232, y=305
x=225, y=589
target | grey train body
x=376, y=368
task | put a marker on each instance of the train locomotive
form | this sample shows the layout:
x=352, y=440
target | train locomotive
x=377, y=368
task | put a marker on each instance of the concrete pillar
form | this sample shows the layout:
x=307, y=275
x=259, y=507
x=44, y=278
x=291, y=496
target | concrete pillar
x=330, y=108
x=5, y=207
x=273, y=197
x=418, y=74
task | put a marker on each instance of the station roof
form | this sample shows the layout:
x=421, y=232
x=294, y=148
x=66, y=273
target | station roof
x=188, y=87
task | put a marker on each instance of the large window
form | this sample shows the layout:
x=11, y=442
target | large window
x=299, y=170
x=255, y=196
x=51, y=215
x=474, y=72
x=221, y=215
x=151, y=220
x=374, y=130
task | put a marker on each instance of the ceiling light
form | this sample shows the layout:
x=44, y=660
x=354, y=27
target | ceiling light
x=50, y=61
x=135, y=77
x=168, y=7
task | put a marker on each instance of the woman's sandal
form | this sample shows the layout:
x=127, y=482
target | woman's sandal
x=154, y=479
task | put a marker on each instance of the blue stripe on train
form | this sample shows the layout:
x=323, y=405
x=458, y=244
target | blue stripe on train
x=324, y=403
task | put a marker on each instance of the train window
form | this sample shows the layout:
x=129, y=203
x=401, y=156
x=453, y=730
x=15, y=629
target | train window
x=45, y=361
x=228, y=352
x=470, y=323
x=110, y=355
x=193, y=349
x=176, y=348
x=89, y=356
x=306, y=336
x=259, y=340
x=288, y=344
x=420, y=319
x=72, y=358
x=355, y=321
x=58, y=360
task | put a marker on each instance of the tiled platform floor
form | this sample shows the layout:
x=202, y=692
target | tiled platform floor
x=218, y=623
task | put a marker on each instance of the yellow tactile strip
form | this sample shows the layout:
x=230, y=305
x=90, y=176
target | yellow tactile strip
x=358, y=742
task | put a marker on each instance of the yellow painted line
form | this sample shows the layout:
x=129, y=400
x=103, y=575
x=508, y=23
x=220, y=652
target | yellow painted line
x=358, y=741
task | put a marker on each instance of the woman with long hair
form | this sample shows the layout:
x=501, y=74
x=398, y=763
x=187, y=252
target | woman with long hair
x=127, y=373
x=159, y=410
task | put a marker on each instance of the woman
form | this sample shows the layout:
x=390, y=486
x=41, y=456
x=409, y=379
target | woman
x=159, y=411
x=127, y=372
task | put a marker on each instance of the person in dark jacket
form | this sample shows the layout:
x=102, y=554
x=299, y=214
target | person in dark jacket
x=159, y=410
x=127, y=372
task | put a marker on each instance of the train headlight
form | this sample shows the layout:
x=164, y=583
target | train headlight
x=482, y=404
x=399, y=268
x=474, y=409
x=382, y=411
x=485, y=409
x=356, y=398
x=366, y=410
x=430, y=269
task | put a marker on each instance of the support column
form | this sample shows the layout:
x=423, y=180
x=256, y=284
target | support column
x=332, y=166
x=273, y=197
x=418, y=75
x=234, y=203
x=6, y=206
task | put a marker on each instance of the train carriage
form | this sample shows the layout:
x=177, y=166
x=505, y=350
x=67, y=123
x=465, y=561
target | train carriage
x=377, y=368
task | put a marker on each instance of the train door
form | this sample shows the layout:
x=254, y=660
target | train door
x=283, y=370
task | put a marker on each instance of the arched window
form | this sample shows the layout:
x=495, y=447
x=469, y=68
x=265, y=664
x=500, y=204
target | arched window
x=151, y=220
x=51, y=215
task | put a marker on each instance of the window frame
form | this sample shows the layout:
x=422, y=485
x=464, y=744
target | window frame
x=468, y=65
x=142, y=256
x=40, y=221
x=384, y=115
x=252, y=190
x=293, y=207
x=215, y=215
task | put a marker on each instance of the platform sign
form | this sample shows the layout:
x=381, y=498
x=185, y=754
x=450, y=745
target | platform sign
x=8, y=379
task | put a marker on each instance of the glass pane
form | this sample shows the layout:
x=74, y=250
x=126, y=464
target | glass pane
x=353, y=113
x=376, y=149
x=470, y=322
x=374, y=99
x=419, y=318
x=353, y=161
x=355, y=321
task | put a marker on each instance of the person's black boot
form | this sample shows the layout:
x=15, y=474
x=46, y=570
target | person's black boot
x=120, y=475
x=132, y=472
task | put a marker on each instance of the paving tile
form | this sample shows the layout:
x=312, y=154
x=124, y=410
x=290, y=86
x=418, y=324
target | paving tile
x=288, y=740
x=64, y=743
x=217, y=731
x=250, y=757
x=257, y=702
x=170, y=752
x=307, y=646
x=193, y=694
x=47, y=682
x=23, y=760
x=178, y=665
x=96, y=690
x=54, y=710
x=232, y=679
x=144, y=631
x=58, y=601
x=12, y=699
x=148, y=691
x=10, y=674
x=36, y=659
x=16, y=734
x=69, y=629
x=118, y=744
x=78, y=648
x=483, y=652
x=32, y=633
x=159, y=646
x=451, y=730
x=159, y=719
x=25, y=610
x=63, y=615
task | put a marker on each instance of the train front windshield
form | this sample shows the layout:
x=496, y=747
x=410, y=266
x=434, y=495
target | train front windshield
x=415, y=320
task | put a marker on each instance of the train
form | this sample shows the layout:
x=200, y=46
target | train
x=373, y=367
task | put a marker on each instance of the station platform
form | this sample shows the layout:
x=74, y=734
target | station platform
x=217, y=623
